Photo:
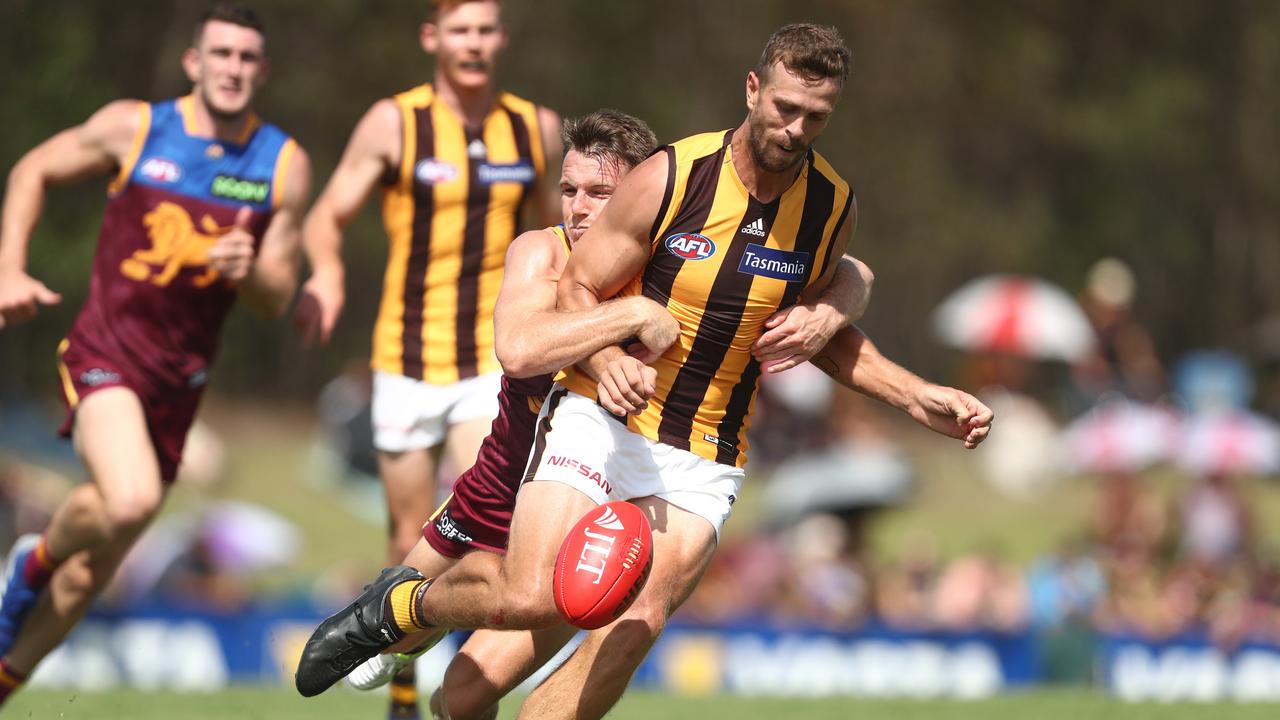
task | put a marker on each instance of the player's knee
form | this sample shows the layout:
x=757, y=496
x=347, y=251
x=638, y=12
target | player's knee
x=529, y=607
x=404, y=537
x=465, y=692
x=644, y=621
x=465, y=701
x=128, y=512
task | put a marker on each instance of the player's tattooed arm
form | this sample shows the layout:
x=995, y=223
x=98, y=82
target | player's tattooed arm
x=852, y=360
x=794, y=334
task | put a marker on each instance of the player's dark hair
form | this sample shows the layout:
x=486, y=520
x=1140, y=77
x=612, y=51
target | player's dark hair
x=609, y=135
x=227, y=12
x=812, y=52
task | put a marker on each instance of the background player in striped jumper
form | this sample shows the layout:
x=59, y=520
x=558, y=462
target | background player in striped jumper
x=457, y=161
x=203, y=207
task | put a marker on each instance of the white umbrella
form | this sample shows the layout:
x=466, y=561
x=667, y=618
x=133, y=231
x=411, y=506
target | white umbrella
x=1230, y=442
x=1019, y=315
x=1120, y=436
x=844, y=477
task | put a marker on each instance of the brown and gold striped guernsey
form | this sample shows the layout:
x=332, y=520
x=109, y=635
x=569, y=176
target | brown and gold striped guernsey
x=722, y=262
x=450, y=213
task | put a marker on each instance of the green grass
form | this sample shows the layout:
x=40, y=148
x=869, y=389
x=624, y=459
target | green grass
x=279, y=704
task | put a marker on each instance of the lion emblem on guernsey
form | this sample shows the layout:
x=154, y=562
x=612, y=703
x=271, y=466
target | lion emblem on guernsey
x=175, y=244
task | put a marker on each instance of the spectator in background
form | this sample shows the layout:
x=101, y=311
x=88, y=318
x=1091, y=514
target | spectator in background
x=827, y=583
x=1125, y=360
x=1129, y=519
x=1063, y=589
x=905, y=589
x=1065, y=586
x=1215, y=523
x=980, y=591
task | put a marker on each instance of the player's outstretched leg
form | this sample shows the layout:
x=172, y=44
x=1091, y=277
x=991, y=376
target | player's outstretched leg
x=354, y=634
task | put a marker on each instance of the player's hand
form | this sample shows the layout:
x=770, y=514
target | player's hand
x=21, y=296
x=656, y=329
x=232, y=254
x=319, y=306
x=953, y=413
x=626, y=385
x=795, y=334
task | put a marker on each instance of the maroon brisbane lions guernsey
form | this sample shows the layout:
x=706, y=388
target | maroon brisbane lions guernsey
x=477, y=516
x=155, y=307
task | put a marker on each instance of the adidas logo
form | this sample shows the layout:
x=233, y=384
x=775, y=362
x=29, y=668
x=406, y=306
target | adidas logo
x=476, y=149
x=756, y=227
x=609, y=520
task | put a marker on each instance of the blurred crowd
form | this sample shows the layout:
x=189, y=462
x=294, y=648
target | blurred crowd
x=1171, y=544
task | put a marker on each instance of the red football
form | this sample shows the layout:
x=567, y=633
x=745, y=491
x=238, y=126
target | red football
x=602, y=565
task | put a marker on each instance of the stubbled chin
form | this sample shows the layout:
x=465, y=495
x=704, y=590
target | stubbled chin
x=471, y=78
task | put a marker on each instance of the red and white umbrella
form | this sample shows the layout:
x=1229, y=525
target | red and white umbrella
x=1230, y=442
x=1120, y=437
x=1018, y=315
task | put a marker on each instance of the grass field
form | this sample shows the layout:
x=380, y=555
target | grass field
x=252, y=704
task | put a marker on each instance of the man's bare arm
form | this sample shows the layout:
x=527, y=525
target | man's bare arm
x=838, y=298
x=533, y=337
x=793, y=334
x=852, y=360
x=96, y=147
x=372, y=152
x=272, y=279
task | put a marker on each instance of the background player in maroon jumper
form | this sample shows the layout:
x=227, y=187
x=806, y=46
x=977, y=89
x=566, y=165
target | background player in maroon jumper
x=203, y=208
x=457, y=161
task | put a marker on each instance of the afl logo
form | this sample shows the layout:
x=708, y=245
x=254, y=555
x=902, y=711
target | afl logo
x=691, y=246
x=161, y=170
x=431, y=171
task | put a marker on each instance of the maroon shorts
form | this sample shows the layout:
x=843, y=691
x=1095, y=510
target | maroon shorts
x=477, y=516
x=471, y=519
x=169, y=410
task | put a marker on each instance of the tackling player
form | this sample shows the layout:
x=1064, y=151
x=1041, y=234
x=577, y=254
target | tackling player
x=457, y=161
x=203, y=207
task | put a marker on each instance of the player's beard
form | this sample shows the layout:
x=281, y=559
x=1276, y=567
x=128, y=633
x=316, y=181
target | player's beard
x=766, y=155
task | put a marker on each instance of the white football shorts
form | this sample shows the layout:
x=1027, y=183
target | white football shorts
x=580, y=444
x=409, y=414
